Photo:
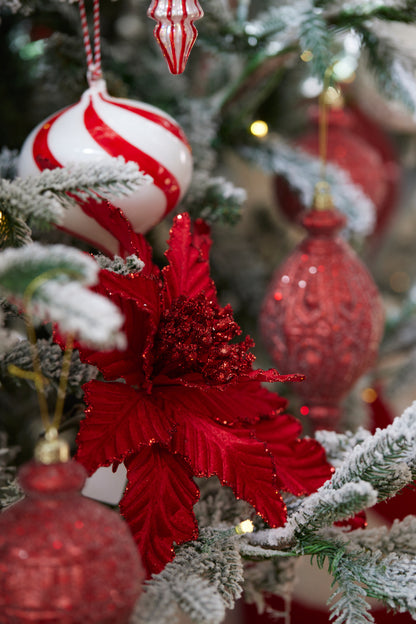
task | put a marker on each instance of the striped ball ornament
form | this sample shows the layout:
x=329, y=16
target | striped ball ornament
x=100, y=127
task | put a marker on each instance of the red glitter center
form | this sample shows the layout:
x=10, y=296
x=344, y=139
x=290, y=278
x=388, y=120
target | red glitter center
x=194, y=336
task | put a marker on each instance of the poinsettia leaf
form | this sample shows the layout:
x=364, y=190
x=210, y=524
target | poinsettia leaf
x=231, y=454
x=138, y=300
x=359, y=521
x=158, y=504
x=116, y=364
x=112, y=219
x=270, y=376
x=143, y=290
x=119, y=419
x=202, y=237
x=243, y=402
x=188, y=271
x=301, y=464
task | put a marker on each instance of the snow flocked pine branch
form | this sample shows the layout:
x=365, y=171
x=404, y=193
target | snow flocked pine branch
x=378, y=563
x=285, y=31
x=301, y=170
x=314, y=25
x=41, y=200
x=52, y=283
x=204, y=580
x=50, y=359
x=9, y=489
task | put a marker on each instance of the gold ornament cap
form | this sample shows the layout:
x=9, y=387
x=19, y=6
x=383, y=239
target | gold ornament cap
x=52, y=449
x=322, y=199
x=333, y=98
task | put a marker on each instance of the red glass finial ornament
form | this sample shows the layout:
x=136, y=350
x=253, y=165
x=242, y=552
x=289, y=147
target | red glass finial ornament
x=65, y=559
x=175, y=31
x=322, y=316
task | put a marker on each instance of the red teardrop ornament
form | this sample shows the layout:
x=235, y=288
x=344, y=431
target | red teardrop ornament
x=175, y=31
x=322, y=316
x=65, y=559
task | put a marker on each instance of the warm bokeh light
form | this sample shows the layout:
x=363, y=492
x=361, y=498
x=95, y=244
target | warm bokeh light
x=306, y=56
x=244, y=527
x=369, y=395
x=344, y=69
x=259, y=128
x=334, y=98
x=399, y=281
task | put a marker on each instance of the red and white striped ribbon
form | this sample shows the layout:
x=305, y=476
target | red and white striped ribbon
x=93, y=54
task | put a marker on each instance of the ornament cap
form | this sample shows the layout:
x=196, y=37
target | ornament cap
x=52, y=449
x=322, y=199
x=95, y=87
x=323, y=223
x=334, y=98
x=43, y=480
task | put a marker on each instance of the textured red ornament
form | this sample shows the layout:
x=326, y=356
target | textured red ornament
x=65, y=559
x=322, y=316
x=358, y=146
x=175, y=31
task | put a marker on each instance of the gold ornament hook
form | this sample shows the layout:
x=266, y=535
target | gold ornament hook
x=322, y=199
x=52, y=449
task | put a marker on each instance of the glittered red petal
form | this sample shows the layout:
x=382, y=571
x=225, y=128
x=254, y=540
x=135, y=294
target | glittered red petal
x=139, y=301
x=118, y=421
x=271, y=375
x=127, y=364
x=112, y=219
x=201, y=238
x=242, y=402
x=143, y=290
x=359, y=521
x=237, y=459
x=158, y=504
x=188, y=271
x=301, y=465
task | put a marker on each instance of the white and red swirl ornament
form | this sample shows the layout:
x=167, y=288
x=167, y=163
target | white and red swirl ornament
x=175, y=31
x=100, y=127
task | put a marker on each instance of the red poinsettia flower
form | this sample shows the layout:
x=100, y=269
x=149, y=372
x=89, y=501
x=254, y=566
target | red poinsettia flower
x=183, y=400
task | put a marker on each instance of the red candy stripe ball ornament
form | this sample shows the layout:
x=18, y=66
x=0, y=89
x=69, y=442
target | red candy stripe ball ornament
x=358, y=146
x=65, y=559
x=322, y=315
x=100, y=127
x=175, y=31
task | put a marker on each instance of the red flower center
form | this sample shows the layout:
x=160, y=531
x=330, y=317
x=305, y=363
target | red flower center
x=194, y=336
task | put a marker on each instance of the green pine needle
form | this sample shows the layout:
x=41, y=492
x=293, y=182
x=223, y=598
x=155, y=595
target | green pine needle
x=315, y=36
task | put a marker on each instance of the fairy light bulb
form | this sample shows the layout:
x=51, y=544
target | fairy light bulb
x=306, y=56
x=369, y=395
x=246, y=526
x=259, y=128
